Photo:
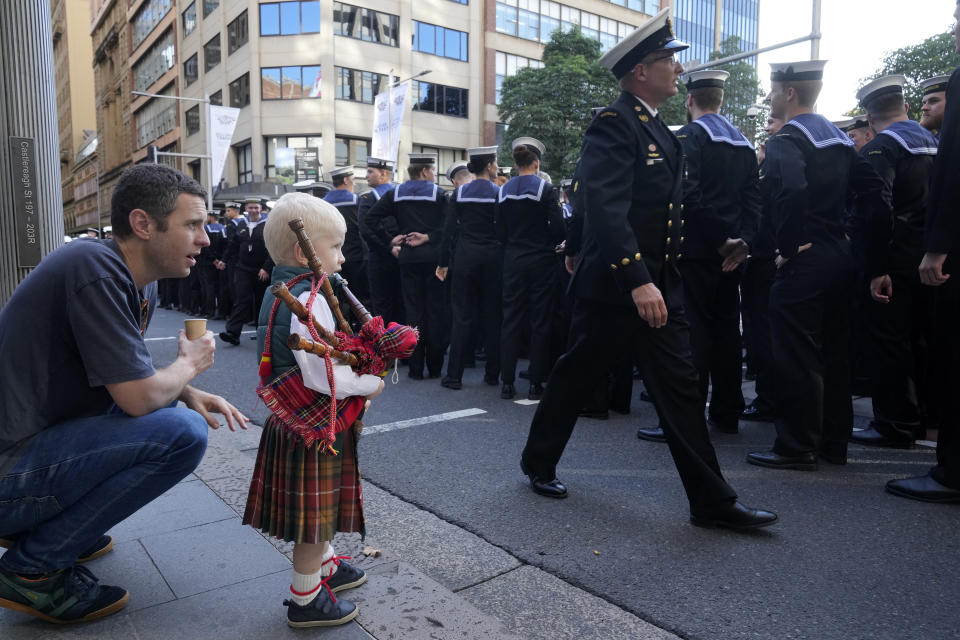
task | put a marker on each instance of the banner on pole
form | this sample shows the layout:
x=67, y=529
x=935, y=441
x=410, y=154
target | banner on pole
x=223, y=121
x=389, y=109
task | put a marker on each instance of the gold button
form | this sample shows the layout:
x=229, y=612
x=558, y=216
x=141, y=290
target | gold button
x=682, y=238
x=670, y=208
x=625, y=261
x=681, y=207
x=668, y=240
x=614, y=267
x=669, y=224
x=666, y=257
x=682, y=221
x=679, y=255
x=637, y=257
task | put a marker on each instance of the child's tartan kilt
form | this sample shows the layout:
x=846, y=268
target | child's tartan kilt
x=301, y=495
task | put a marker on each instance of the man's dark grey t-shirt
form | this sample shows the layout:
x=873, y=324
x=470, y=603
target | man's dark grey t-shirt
x=72, y=326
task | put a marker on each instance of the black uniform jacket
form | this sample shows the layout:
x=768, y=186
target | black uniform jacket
x=721, y=193
x=631, y=169
x=230, y=249
x=812, y=166
x=943, y=207
x=902, y=154
x=470, y=220
x=248, y=252
x=416, y=205
x=529, y=218
x=370, y=239
x=346, y=203
x=217, y=234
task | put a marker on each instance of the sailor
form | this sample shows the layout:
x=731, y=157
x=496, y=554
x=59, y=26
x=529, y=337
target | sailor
x=383, y=272
x=933, y=104
x=859, y=130
x=354, y=268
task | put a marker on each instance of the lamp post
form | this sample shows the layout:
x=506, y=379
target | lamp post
x=390, y=85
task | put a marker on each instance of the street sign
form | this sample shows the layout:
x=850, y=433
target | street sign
x=23, y=163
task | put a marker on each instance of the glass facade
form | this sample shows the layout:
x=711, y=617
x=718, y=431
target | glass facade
x=537, y=19
x=289, y=18
x=290, y=83
x=438, y=98
x=696, y=23
x=365, y=24
x=359, y=86
x=507, y=64
x=148, y=17
x=439, y=41
x=271, y=144
x=159, y=59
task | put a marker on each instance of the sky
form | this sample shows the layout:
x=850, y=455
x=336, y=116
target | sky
x=857, y=34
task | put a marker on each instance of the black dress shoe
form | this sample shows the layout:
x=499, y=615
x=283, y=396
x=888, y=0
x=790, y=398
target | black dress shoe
x=724, y=426
x=451, y=383
x=653, y=435
x=536, y=391
x=732, y=515
x=433, y=374
x=645, y=396
x=755, y=414
x=889, y=436
x=491, y=380
x=229, y=338
x=594, y=414
x=771, y=460
x=550, y=488
x=507, y=391
x=925, y=488
x=415, y=375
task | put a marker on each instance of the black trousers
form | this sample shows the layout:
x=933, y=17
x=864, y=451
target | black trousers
x=476, y=290
x=423, y=303
x=529, y=294
x=383, y=277
x=225, y=284
x=190, y=291
x=946, y=381
x=755, y=287
x=900, y=336
x=209, y=288
x=712, y=302
x=355, y=271
x=810, y=326
x=599, y=333
x=614, y=390
x=248, y=292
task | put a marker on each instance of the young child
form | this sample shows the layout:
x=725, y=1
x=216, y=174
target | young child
x=306, y=484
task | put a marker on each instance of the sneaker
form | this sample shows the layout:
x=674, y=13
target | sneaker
x=323, y=611
x=101, y=547
x=346, y=576
x=70, y=595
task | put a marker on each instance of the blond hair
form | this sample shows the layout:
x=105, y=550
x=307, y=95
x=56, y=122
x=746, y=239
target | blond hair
x=320, y=220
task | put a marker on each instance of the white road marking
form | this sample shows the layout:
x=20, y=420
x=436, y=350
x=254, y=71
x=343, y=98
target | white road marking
x=413, y=422
x=243, y=333
x=526, y=402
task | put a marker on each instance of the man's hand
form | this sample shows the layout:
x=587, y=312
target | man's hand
x=780, y=261
x=734, y=251
x=570, y=262
x=197, y=353
x=650, y=305
x=881, y=288
x=395, y=251
x=206, y=404
x=415, y=239
x=220, y=265
x=441, y=273
x=931, y=269
x=263, y=275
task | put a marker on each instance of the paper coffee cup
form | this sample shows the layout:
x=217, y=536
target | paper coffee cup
x=195, y=328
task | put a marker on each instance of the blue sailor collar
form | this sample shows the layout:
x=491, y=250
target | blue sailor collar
x=340, y=197
x=912, y=137
x=819, y=131
x=720, y=130
x=528, y=187
x=416, y=190
x=567, y=211
x=381, y=189
x=478, y=191
x=215, y=227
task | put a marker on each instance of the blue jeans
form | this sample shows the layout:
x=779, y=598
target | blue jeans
x=81, y=477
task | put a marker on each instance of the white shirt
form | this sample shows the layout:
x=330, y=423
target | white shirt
x=652, y=111
x=314, y=369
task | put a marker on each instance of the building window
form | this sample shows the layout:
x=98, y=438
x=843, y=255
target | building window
x=528, y=19
x=445, y=157
x=549, y=19
x=211, y=53
x=158, y=117
x=244, y=163
x=438, y=98
x=192, y=118
x=158, y=59
x=290, y=83
x=237, y=32
x=439, y=41
x=190, y=70
x=217, y=98
x=507, y=65
x=359, y=86
x=240, y=91
x=281, y=156
x=365, y=24
x=209, y=6
x=289, y=18
x=351, y=151
x=507, y=18
x=460, y=1
x=147, y=18
x=189, y=18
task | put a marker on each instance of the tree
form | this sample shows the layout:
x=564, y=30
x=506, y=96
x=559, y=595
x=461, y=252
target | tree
x=552, y=103
x=934, y=56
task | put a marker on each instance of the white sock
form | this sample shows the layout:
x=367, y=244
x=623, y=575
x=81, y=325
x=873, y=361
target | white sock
x=305, y=586
x=328, y=568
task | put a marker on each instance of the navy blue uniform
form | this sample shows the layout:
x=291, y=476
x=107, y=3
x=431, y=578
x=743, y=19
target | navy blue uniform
x=209, y=274
x=383, y=271
x=354, y=268
x=247, y=255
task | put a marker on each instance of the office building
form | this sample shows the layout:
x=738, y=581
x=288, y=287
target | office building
x=707, y=23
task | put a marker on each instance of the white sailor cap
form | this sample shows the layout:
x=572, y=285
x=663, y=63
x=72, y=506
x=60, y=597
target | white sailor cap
x=848, y=125
x=530, y=143
x=455, y=168
x=935, y=84
x=881, y=87
x=504, y=171
x=253, y=200
x=422, y=158
x=656, y=34
x=482, y=152
x=379, y=163
x=341, y=171
x=705, y=79
x=797, y=71
x=566, y=183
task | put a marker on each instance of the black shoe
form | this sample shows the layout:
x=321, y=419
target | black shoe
x=924, y=488
x=492, y=381
x=323, y=611
x=551, y=489
x=431, y=375
x=883, y=435
x=594, y=414
x=507, y=391
x=70, y=595
x=345, y=577
x=415, y=375
x=645, y=396
x=536, y=391
x=771, y=460
x=99, y=548
x=451, y=383
x=654, y=434
x=733, y=515
x=724, y=426
x=755, y=414
x=229, y=338
x=525, y=374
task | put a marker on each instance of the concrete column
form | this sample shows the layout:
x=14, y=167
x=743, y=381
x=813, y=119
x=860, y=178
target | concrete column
x=31, y=208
